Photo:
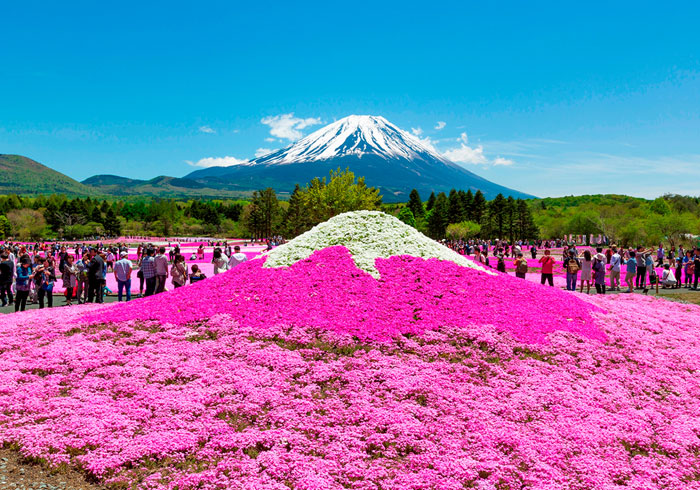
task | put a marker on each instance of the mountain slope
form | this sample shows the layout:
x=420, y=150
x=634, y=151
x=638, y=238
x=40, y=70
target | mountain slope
x=162, y=186
x=22, y=175
x=388, y=157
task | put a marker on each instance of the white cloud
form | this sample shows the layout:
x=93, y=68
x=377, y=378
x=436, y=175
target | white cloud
x=467, y=154
x=286, y=126
x=463, y=138
x=440, y=125
x=206, y=129
x=217, y=162
x=262, y=151
x=417, y=131
x=503, y=161
x=270, y=140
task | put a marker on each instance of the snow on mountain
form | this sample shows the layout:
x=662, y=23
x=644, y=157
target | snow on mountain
x=387, y=157
x=356, y=136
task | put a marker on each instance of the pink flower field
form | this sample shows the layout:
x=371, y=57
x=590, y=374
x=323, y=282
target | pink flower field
x=319, y=376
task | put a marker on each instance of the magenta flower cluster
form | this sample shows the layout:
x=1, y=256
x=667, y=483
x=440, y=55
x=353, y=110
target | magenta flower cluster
x=318, y=376
x=329, y=292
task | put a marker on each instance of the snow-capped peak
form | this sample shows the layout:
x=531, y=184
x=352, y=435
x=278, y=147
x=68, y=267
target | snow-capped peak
x=354, y=135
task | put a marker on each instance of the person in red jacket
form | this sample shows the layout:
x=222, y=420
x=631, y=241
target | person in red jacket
x=547, y=262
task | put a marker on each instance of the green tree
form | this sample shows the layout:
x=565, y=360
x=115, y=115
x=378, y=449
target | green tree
x=672, y=227
x=415, y=204
x=264, y=213
x=296, y=219
x=431, y=202
x=27, y=224
x=468, y=204
x=478, y=208
x=497, y=215
x=96, y=215
x=111, y=223
x=5, y=227
x=660, y=206
x=455, y=210
x=463, y=231
x=406, y=215
x=439, y=216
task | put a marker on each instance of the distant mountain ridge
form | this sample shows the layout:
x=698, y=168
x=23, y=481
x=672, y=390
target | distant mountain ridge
x=389, y=158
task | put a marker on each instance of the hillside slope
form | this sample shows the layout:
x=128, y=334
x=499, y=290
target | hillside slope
x=22, y=175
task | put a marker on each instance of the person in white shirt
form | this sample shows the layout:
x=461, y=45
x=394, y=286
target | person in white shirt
x=668, y=278
x=615, y=262
x=237, y=257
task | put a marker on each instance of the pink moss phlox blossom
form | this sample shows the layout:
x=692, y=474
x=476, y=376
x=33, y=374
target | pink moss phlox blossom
x=482, y=387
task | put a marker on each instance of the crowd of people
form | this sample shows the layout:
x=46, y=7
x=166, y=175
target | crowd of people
x=29, y=272
x=592, y=265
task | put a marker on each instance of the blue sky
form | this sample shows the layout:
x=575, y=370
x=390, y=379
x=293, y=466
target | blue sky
x=554, y=98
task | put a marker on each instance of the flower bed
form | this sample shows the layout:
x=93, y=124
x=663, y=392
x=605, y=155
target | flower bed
x=320, y=376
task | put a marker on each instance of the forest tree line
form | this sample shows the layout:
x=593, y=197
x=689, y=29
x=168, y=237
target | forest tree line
x=458, y=214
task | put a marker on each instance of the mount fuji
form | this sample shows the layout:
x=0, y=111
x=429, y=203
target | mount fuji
x=389, y=158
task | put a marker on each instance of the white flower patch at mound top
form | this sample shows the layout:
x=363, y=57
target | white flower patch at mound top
x=368, y=235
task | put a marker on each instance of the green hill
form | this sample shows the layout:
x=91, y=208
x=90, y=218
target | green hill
x=22, y=175
x=162, y=186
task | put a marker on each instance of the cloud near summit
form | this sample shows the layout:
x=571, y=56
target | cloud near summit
x=287, y=126
x=216, y=162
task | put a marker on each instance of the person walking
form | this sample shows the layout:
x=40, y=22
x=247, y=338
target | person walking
x=688, y=268
x=520, y=266
x=547, y=262
x=24, y=283
x=44, y=277
x=70, y=278
x=599, y=262
x=237, y=257
x=122, y=273
x=179, y=271
x=586, y=270
x=220, y=261
x=96, y=271
x=660, y=255
x=148, y=269
x=631, y=271
x=696, y=269
x=83, y=283
x=161, y=265
x=615, y=266
x=641, y=278
x=572, y=265
x=7, y=272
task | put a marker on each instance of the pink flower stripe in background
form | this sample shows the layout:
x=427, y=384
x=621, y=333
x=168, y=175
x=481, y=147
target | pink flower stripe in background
x=318, y=376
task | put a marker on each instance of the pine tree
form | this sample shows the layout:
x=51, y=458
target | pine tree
x=112, y=225
x=438, y=219
x=478, y=208
x=468, y=205
x=296, y=218
x=527, y=228
x=497, y=215
x=431, y=202
x=415, y=204
x=455, y=211
x=95, y=215
x=511, y=221
x=406, y=215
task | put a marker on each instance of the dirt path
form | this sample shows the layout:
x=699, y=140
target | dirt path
x=18, y=474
